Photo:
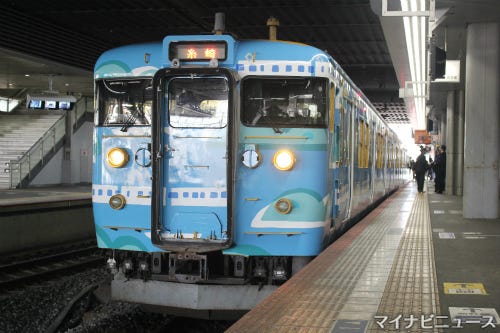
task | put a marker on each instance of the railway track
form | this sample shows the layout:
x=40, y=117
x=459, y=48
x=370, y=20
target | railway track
x=38, y=268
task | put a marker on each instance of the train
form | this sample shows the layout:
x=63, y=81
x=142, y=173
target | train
x=221, y=167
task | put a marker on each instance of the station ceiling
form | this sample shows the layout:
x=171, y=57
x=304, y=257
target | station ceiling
x=56, y=42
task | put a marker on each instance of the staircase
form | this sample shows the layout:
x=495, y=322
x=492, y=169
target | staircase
x=20, y=133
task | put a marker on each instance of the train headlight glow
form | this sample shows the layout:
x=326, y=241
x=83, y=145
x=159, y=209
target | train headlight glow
x=284, y=160
x=117, y=157
x=283, y=206
x=117, y=201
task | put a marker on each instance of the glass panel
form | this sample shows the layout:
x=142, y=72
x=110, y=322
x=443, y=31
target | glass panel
x=198, y=102
x=124, y=102
x=8, y=104
x=284, y=102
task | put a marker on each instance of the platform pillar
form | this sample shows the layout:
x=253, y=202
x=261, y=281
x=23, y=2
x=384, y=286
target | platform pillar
x=459, y=188
x=482, y=108
x=442, y=126
x=450, y=141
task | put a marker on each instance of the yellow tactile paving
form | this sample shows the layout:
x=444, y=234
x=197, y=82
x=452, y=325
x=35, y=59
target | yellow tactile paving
x=410, y=302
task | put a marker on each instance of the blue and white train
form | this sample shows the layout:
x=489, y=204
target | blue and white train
x=223, y=166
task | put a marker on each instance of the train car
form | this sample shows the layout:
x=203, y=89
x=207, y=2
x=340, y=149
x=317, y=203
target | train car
x=223, y=166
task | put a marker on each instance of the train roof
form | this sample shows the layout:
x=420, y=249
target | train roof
x=129, y=61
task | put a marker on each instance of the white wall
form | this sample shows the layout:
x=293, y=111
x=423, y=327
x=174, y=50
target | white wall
x=81, y=154
x=51, y=174
x=78, y=169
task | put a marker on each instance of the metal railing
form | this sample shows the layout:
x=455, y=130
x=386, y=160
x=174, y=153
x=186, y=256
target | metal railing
x=84, y=105
x=22, y=167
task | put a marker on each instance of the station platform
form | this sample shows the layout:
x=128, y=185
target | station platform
x=40, y=217
x=414, y=264
x=33, y=198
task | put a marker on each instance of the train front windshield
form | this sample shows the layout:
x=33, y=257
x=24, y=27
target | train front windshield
x=284, y=102
x=124, y=102
x=198, y=102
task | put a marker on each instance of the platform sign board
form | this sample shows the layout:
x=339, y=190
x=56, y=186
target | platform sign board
x=464, y=288
x=349, y=326
x=487, y=317
x=452, y=72
x=422, y=137
x=446, y=235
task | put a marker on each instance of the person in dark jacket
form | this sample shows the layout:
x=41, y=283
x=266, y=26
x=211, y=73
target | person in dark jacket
x=421, y=167
x=430, y=173
x=440, y=170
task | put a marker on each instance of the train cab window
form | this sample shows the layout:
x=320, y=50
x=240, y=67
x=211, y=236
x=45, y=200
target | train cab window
x=198, y=102
x=124, y=102
x=284, y=102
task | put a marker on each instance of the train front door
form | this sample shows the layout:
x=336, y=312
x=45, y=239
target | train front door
x=194, y=168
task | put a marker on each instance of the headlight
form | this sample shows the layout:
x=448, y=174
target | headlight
x=117, y=157
x=283, y=206
x=284, y=160
x=117, y=201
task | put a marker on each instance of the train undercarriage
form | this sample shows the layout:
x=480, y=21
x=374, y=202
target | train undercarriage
x=210, y=285
x=207, y=268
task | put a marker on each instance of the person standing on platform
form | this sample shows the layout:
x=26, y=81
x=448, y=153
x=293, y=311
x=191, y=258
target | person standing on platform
x=440, y=169
x=421, y=167
x=430, y=173
x=412, y=168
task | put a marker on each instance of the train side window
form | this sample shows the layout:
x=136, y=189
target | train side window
x=331, y=108
x=338, y=122
x=380, y=150
x=360, y=129
x=389, y=153
x=348, y=123
x=373, y=144
x=367, y=144
x=378, y=144
x=363, y=143
x=398, y=165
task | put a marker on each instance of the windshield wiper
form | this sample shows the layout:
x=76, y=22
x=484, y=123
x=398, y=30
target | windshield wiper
x=136, y=114
x=131, y=119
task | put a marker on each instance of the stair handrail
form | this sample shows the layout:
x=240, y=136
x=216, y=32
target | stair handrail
x=24, y=164
x=82, y=106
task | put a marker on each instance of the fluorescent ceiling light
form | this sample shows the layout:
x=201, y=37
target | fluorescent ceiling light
x=415, y=27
